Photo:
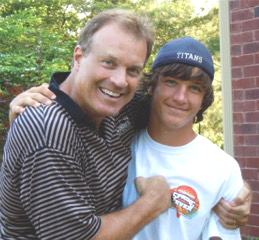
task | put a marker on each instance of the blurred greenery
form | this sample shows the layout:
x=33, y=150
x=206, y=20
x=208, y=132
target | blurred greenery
x=37, y=38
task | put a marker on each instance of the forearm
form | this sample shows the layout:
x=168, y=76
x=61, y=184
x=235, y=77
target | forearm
x=235, y=213
x=129, y=221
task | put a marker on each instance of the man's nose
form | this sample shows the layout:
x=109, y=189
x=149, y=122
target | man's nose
x=119, y=78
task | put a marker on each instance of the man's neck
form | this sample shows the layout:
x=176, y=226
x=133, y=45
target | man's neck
x=67, y=87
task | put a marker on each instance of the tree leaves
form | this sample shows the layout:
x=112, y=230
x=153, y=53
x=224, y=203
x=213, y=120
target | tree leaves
x=37, y=38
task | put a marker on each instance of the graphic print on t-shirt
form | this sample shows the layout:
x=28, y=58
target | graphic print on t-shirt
x=185, y=200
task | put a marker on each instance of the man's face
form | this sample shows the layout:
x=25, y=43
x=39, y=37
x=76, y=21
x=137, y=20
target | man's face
x=107, y=77
x=175, y=103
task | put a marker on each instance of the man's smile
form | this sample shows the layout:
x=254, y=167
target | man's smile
x=110, y=93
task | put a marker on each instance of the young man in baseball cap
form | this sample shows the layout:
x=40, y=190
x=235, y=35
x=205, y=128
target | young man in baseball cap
x=199, y=173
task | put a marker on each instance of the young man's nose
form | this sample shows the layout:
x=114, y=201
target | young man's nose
x=180, y=93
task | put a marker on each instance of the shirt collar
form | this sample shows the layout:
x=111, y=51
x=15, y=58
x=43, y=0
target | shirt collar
x=67, y=102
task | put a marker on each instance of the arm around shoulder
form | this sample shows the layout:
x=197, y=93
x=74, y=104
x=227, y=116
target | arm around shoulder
x=235, y=214
x=32, y=97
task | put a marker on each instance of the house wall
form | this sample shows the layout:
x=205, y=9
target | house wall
x=244, y=43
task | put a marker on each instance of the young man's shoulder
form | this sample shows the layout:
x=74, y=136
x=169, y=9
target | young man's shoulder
x=214, y=152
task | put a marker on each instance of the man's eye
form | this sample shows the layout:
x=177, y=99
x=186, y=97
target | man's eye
x=108, y=62
x=134, y=71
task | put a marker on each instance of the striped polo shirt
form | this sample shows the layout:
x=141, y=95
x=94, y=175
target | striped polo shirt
x=60, y=173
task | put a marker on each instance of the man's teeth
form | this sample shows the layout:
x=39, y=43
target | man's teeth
x=110, y=93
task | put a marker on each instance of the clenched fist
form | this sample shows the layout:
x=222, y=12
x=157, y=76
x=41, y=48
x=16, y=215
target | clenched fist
x=156, y=189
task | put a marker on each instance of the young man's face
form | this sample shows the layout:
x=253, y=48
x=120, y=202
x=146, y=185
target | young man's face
x=107, y=77
x=175, y=103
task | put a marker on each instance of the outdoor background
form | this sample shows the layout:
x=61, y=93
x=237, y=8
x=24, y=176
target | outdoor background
x=37, y=38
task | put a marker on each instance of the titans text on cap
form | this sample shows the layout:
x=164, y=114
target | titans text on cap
x=186, y=55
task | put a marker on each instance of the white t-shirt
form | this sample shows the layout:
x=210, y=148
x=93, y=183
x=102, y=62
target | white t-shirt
x=199, y=174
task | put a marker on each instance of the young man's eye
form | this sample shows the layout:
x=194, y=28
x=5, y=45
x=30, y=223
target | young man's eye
x=171, y=82
x=195, y=89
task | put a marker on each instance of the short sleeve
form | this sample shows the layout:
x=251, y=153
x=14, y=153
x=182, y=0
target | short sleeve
x=213, y=228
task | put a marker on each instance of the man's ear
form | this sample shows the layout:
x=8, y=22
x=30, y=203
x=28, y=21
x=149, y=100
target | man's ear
x=150, y=90
x=78, y=55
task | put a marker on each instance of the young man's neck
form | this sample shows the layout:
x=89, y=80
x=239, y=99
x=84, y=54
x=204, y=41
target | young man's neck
x=172, y=137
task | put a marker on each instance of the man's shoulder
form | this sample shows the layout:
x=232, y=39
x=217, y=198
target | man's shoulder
x=39, y=115
x=38, y=128
x=38, y=123
x=137, y=110
x=139, y=97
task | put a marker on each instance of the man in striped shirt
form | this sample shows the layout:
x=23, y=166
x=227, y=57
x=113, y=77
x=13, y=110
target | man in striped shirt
x=65, y=165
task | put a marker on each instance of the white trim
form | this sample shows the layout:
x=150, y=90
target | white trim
x=224, y=26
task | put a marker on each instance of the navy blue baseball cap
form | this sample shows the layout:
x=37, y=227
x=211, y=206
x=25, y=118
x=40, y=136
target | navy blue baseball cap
x=185, y=50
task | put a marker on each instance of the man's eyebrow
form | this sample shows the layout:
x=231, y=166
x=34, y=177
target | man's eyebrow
x=138, y=66
x=110, y=57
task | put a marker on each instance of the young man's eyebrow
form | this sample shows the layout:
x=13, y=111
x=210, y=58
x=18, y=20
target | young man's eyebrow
x=169, y=75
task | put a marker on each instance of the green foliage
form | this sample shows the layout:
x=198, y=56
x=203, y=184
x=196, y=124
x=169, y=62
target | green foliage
x=37, y=38
x=212, y=126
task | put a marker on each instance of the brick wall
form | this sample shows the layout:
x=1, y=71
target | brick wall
x=244, y=34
